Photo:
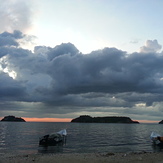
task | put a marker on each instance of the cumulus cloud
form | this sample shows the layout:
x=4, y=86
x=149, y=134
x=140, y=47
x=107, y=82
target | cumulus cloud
x=151, y=46
x=60, y=80
x=10, y=89
x=10, y=39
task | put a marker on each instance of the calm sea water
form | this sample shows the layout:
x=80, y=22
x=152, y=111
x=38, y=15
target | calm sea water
x=23, y=138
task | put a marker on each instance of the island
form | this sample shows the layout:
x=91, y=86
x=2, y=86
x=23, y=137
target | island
x=161, y=122
x=109, y=119
x=12, y=118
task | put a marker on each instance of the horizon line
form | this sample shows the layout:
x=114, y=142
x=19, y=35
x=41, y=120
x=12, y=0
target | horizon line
x=35, y=119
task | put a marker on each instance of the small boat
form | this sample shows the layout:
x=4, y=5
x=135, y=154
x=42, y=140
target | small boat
x=58, y=138
x=156, y=138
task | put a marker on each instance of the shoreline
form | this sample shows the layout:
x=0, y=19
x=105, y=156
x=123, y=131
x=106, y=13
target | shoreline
x=134, y=157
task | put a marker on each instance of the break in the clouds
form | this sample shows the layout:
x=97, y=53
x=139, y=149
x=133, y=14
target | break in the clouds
x=60, y=81
x=15, y=14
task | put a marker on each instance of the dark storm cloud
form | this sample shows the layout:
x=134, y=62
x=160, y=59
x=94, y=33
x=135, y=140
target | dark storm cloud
x=62, y=80
x=10, y=39
x=108, y=70
x=16, y=34
x=61, y=50
x=10, y=89
x=85, y=73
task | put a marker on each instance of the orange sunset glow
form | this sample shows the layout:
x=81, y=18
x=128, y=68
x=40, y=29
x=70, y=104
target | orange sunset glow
x=47, y=119
x=147, y=121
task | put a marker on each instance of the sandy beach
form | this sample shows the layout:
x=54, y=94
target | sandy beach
x=143, y=157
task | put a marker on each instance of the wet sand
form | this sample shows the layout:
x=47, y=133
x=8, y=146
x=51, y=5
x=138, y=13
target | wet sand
x=143, y=157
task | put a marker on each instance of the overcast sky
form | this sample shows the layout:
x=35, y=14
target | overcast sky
x=67, y=58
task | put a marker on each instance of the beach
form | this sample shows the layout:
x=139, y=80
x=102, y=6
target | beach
x=133, y=157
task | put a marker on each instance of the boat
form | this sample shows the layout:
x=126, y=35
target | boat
x=156, y=138
x=58, y=138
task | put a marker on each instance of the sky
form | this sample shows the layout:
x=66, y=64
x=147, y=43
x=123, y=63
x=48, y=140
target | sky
x=62, y=59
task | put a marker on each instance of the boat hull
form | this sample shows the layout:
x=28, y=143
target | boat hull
x=154, y=138
x=50, y=142
x=53, y=139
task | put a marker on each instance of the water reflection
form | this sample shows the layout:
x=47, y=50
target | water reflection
x=24, y=137
x=157, y=147
x=50, y=149
x=57, y=148
x=3, y=133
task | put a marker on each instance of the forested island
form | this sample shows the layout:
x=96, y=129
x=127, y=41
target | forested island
x=110, y=119
x=12, y=118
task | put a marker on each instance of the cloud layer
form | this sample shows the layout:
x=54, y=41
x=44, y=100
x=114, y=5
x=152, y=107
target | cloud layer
x=15, y=14
x=63, y=82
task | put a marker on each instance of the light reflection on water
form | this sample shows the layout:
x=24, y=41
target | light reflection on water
x=82, y=138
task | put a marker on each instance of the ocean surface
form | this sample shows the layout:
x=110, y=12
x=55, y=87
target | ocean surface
x=23, y=137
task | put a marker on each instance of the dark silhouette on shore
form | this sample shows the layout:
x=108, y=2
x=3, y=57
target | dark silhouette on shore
x=161, y=122
x=110, y=119
x=12, y=118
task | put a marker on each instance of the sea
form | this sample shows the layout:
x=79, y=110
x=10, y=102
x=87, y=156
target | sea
x=23, y=137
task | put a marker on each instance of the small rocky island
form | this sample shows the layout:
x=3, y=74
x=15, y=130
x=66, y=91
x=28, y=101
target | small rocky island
x=12, y=118
x=161, y=122
x=110, y=119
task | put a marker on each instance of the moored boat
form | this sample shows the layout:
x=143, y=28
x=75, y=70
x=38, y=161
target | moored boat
x=156, y=138
x=53, y=138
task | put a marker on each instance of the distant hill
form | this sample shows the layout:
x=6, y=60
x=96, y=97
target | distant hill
x=12, y=118
x=161, y=122
x=89, y=119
